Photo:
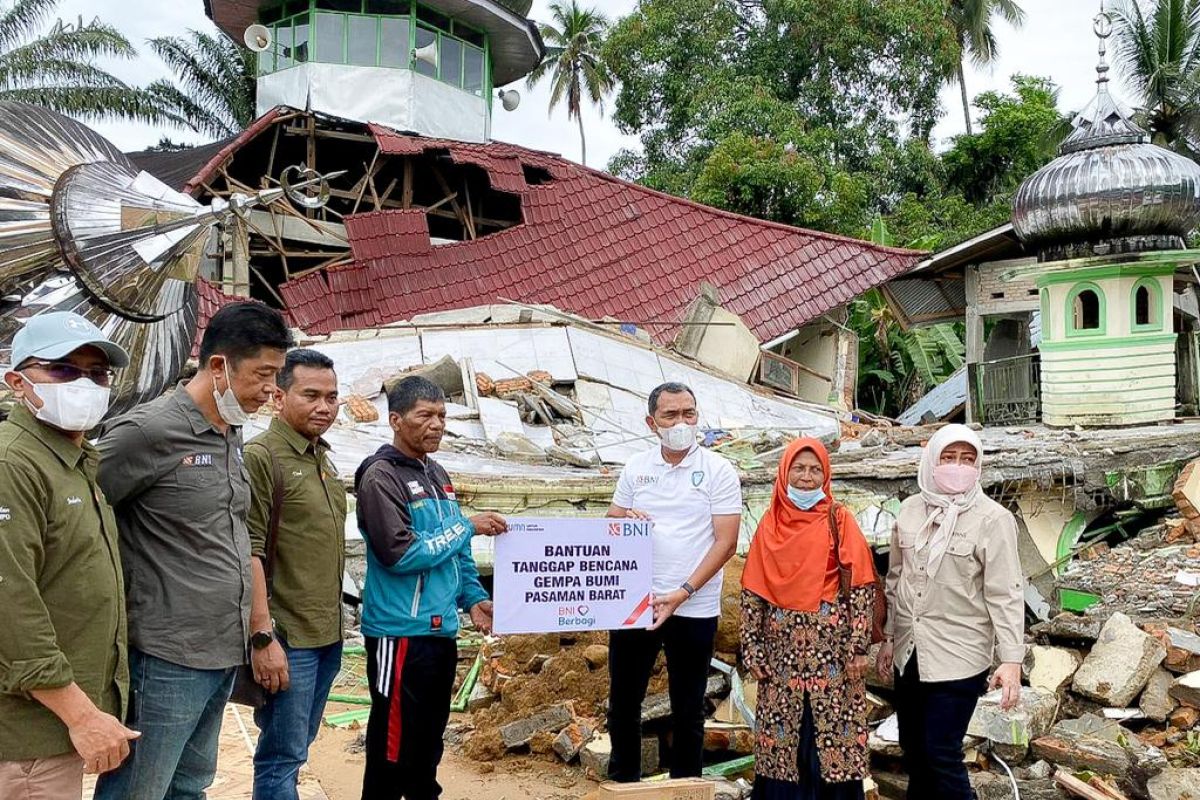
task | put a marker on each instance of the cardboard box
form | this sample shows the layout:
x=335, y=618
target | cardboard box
x=680, y=789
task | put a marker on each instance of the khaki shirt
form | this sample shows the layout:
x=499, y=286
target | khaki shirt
x=181, y=495
x=306, y=599
x=60, y=587
x=974, y=606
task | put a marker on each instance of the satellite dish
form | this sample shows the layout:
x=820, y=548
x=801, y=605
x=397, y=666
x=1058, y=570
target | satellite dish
x=510, y=99
x=257, y=38
x=428, y=54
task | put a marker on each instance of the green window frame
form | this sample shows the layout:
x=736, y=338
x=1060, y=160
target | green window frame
x=1155, y=315
x=1072, y=328
x=470, y=70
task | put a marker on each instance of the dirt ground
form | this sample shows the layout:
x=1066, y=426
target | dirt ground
x=339, y=773
x=334, y=772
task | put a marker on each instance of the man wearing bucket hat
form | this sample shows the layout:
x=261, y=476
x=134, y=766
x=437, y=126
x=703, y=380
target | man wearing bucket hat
x=64, y=678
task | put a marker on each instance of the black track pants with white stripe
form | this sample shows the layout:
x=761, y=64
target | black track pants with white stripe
x=411, y=681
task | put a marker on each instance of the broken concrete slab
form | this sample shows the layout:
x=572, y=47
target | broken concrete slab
x=1078, y=749
x=658, y=706
x=596, y=754
x=1119, y=664
x=481, y=697
x=1101, y=746
x=1186, y=689
x=1010, y=732
x=571, y=739
x=551, y=720
x=996, y=786
x=1070, y=628
x=1156, y=701
x=1051, y=668
x=1175, y=784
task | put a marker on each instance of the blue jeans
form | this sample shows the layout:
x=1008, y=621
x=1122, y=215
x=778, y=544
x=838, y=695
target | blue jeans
x=290, y=720
x=178, y=711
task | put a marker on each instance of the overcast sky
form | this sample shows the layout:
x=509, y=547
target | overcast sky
x=1056, y=42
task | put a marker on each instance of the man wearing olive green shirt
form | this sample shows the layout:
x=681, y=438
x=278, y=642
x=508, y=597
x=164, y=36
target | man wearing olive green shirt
x=296, y=637
x=64, y=677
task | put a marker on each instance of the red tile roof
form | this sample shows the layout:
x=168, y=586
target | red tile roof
x=590, y=244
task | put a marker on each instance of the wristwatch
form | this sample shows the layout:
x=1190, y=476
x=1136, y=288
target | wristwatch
x=260, y=640
x=687, y=587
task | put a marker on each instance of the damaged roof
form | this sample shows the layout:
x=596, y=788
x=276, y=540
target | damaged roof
x=588, y=243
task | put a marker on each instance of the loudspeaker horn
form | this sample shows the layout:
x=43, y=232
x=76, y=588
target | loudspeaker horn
x=428, y=54
x=510, y=99
x=257, y=38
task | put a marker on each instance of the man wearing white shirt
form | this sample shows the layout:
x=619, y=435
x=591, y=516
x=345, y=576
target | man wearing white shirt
x=694, y=498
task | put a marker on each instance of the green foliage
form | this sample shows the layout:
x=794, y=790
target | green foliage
x=1020, y=133
x=55, y=68
x=734, y=100
x=573, y=62
x=896, y=367
x=1159, y=52
x=215, y=83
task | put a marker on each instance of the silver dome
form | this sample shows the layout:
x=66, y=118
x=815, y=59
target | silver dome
x=1110, y=190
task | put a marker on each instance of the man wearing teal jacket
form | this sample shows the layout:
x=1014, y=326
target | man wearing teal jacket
x=420, y=572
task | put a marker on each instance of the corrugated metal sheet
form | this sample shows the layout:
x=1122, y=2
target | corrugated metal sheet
x=941, y=402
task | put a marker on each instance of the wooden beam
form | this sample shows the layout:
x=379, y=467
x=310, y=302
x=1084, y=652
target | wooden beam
x=437, y=212
x=1080, y=789
x=362, y=185
x=407, y=197
x=296, y=228
x=325, y=134
x=462, y=218
x=271, y=160
x=267, y=285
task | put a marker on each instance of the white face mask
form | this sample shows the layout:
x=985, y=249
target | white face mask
x=679, y=437
x=76, y=406
x=227, y=403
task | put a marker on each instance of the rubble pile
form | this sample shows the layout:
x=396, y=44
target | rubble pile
x=1111, y=711
x=1155, y=574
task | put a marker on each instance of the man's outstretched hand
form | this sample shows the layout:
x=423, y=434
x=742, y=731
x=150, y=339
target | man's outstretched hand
x=489, y=523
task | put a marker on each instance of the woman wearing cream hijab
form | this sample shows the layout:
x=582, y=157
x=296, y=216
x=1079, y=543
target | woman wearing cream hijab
x=956, y=605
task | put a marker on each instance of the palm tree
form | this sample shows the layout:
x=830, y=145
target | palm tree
x=972, y=21
x=55, y=68
x=572, y=55
x=1159, y=53
x=216, y=83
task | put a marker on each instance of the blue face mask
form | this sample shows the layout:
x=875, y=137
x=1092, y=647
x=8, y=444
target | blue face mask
x=805, y=499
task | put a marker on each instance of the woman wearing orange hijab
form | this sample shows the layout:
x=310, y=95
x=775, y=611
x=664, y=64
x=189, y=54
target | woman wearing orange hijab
x=804, y=642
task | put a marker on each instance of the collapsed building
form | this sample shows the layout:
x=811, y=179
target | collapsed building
x=547, y=299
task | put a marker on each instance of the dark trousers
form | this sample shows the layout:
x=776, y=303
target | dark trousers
x=631, y=656
x=933, y=719
x=411, y=680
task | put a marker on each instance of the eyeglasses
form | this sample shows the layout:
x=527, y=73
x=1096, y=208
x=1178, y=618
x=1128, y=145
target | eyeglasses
x=62, y=372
